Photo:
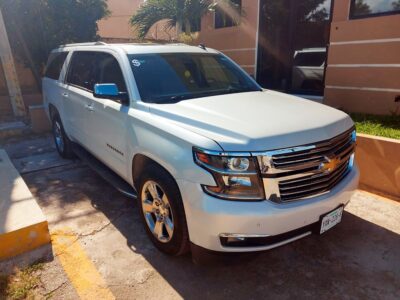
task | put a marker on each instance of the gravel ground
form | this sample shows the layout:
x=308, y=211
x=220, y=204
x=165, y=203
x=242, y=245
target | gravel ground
x=358, y=259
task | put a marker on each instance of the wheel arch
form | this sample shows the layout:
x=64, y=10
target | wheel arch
x=140, y=162
x=53, y=111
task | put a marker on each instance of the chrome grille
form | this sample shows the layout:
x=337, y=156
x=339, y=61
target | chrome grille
x=311, y=185
x=307, y=171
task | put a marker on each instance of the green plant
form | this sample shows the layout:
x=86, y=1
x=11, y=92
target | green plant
x=21, y=284
x=386, y=126
x=185, y=15
x=189, y=39
x=35, y=27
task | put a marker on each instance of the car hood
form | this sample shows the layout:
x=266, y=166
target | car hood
x=256, y=121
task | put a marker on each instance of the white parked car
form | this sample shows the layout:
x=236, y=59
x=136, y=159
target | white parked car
x=308, y=69
x=216, y=162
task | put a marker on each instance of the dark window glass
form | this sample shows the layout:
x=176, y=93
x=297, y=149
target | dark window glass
x=55, y=64
x=110, y=71
x=225, y=16
x=366, y=8
x=172, y=77
x=82, y=70
x=88, y=68
x=293, y=35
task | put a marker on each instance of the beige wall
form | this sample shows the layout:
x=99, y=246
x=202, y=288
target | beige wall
x=116, y=27
x=28, y=88
x=363, y=68
x=117, y=24
x=238, y=42
x=379, y=162
x=363, y=73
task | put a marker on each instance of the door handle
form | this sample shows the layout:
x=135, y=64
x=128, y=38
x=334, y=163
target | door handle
x=89, y=107
x=65, y=95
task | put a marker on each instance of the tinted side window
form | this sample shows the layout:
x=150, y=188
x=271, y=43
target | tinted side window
x=109, y=71
x=82, y=70
x=310, y=59
x=54, y=64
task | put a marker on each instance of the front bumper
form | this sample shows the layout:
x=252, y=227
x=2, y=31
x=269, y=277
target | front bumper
x=208, y=217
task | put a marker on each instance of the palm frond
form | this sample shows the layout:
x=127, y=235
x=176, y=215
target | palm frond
x=195, y=9
x=151, y=12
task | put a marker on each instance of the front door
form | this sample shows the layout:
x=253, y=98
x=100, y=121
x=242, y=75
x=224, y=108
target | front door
x=107, y=122
x=293, y=36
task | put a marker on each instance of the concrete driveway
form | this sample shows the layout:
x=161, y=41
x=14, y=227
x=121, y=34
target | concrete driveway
x=358, y=259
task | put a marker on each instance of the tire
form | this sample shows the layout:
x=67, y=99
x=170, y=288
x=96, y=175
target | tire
x=63, y=143
x=170, y=211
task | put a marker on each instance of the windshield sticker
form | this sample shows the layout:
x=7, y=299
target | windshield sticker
x=136, y=62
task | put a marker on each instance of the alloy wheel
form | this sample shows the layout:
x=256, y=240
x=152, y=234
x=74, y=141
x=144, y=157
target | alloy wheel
x=157, y=211
x=58, y=136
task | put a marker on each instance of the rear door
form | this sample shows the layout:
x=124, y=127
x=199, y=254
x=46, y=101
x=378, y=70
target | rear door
x=107, y=122
x=52, y=86
x=78, y=96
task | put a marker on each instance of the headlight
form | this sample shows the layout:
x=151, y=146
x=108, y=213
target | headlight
x=236, y=175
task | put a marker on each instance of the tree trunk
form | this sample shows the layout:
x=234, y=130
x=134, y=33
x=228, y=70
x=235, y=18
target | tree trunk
x=188, y=27
x=179, y=17
x=28, y=57
x=178, y=28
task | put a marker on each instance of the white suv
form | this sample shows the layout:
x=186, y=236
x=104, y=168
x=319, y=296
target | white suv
x=217, y=162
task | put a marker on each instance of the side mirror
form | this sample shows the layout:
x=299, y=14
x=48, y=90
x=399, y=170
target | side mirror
x=110, y=91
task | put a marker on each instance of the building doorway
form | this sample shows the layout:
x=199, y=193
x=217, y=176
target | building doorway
x=292, y=49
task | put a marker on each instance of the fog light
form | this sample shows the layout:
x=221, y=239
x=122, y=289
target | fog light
x=235, y=239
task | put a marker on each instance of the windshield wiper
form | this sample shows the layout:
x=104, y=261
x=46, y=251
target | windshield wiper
x=178, y=98
x=171, y=99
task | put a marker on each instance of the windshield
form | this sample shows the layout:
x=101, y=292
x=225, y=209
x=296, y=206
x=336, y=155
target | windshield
x=172, y=77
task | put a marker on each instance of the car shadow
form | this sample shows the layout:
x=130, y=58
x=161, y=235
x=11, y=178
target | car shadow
x=357, y=259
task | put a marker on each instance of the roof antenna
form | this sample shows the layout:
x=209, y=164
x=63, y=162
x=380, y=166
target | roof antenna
x=202, y=46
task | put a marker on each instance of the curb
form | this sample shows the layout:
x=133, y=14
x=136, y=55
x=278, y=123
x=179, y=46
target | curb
x=23, y=226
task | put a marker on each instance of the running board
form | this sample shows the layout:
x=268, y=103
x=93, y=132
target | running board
x=105, y=172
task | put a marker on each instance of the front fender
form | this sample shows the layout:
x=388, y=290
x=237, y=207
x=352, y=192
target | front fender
x=169, y=145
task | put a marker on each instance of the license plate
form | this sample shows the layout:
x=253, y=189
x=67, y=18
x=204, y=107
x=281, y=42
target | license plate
x=331, y=219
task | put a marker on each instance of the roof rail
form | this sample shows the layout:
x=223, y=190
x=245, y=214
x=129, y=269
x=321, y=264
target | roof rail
x=84, y=44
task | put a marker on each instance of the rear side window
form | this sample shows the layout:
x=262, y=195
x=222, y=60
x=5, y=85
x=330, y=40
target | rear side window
x=54, y=64
x=82, y=70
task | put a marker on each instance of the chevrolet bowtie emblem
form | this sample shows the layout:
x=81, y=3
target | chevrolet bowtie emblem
x=330, y=164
